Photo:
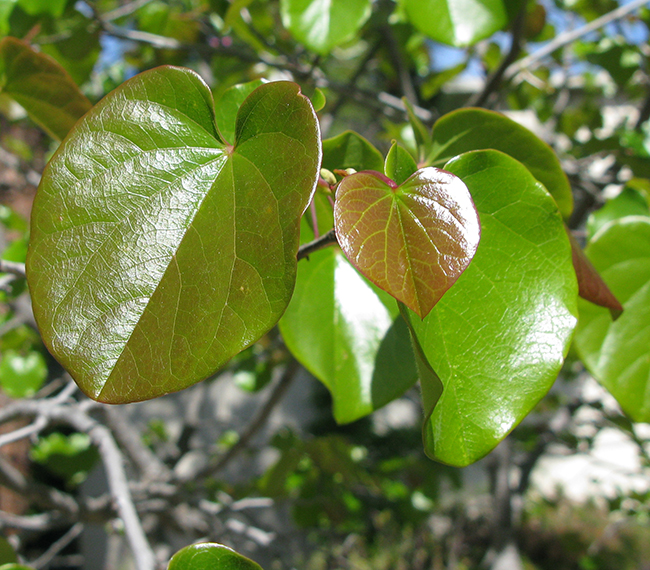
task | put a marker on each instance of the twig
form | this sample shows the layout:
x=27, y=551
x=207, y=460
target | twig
x=36, y=523
x=57, y=546
x=125, y=10
x=323, y=241
x=37, y=426
x=493, y=82
x=534, y=59
x=12, y=267
x=258, y=420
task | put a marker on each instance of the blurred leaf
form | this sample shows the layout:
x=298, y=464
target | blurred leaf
x=41, y=86
x=52, y=8
x=459, y=23
x=180, y=252
x=228, y=104
x=348, y=333
x=210, y=556
x=498, y=338
x=618, y=353
x=421, y=133
x=70, y=457
x=6, y=8
x=433, y=85
x=320, y=26
x=21, y=376
x=399, y=164
x=7, y=553
x=350, y=150
x=474, y=129
x=318, y=100
x=629, y=202
x=413, y=240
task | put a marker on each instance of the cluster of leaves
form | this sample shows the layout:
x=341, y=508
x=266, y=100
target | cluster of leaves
x=168, y=225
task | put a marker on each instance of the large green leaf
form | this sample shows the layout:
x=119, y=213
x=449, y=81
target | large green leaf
x=413, y=240
x=618, y=353
x=210, y=556
x=497, y=339
x=323, y=24
x=458, y=23
x=348, y=333
x=41, y=86
x=630, y=202
x=475, y=129
x=157, y=251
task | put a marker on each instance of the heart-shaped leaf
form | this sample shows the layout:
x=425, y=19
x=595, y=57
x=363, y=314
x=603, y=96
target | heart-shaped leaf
x=618, y=353
x=41, y=86
x=458, y=23
x=157, y=251
x=475, y=129
x=349, y=334
x=350, y=150
x=498, y=338
x=319, y=25
x=210, y=556
x=413, y=240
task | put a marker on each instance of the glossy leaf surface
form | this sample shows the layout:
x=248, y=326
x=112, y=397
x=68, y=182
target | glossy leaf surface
x=41, y=86
x=349, y=334
x=458, y=23
x=412, y=240
x=350, y=150
x=475, y=129
x=321, y=25
x=210, y=556
x=498, y=338
x=618, y=353
x=157, y=252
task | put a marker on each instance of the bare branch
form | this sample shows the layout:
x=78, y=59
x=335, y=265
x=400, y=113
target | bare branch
x=57, y=546
x=37, y=426
x=12, y=267
x=258, y=420
x=566, y=38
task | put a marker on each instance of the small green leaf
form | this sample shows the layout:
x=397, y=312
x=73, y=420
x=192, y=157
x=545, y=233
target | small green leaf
x=348, y=333
x=420, y=132
x=318, y=99
x=158, y=252
x=412, y=240
x=41, y=86
x=22, y=376
x=68, y=456
x=228, y=104
x=618, y=353
x=498, y=338
x=629, y=202
x=350, y=150
x=321, y=25
x=399, y=164
x=210, y=556
x=475, y=129
x=458, y=23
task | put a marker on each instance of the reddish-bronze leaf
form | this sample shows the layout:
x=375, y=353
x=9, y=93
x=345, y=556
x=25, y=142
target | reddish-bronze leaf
x=412, y=240
x=591, y=286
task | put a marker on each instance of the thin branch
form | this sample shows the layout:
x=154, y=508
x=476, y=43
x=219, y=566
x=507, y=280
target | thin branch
x=12, y=267
x=57, y=546
x=493, y=82
x=21, y=433
x=125, y=10
x=566, y=38
x=258, y=420
x=35, y=523
x=323, y=241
